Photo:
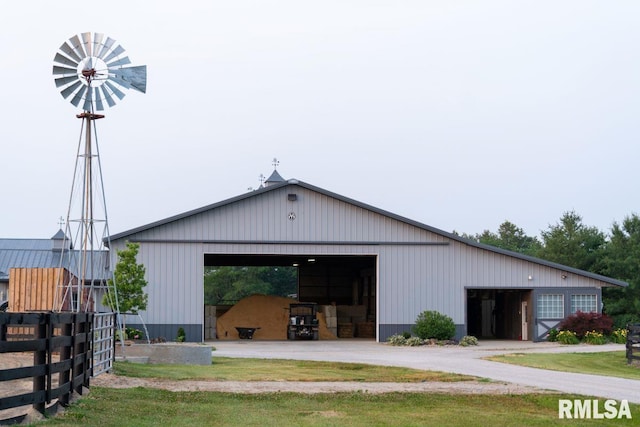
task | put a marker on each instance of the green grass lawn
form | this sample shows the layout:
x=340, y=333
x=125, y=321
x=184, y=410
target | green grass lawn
x=148, y=407
x=231, y=369
x=612, y=364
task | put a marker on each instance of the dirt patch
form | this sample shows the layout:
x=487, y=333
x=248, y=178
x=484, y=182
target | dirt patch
x=269, y=313
x=314, y=387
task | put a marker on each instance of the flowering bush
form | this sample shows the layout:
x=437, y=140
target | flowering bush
x=468, y=340
x=414, y=341
x=553, y=335
x=397, y=339
x=619, y=336
x=133, y=334
x=568, y=337
x=581, y=323
x=593, y=337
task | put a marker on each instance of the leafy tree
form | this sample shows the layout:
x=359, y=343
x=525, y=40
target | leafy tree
x=228, y=283
x=622, y=261
x=130, y=282
x=571, y=243
x=510, y=237
x=218, y=282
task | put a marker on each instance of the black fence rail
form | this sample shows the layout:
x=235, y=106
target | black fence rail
x=62, y=358
x=633, y=342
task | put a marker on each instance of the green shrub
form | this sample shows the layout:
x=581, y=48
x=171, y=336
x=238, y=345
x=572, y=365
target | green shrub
x=553, y=335
x=397, y=339
x=593, y=337
x=181, y=335
x=431, y=324
x=133, y=334
x=406, y=334
x=568, y=337
x=468, y=340
x=619, y=336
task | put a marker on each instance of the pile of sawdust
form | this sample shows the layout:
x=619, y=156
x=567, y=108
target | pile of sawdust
x=269, y=313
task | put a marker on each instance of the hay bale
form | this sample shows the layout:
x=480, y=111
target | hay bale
x=269, y=313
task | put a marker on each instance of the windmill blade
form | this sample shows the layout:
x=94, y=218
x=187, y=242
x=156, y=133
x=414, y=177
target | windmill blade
x=135, y=77
x=119, y=62
x=107, y=96
x=61, y=59
x=114, y=90
x=68, y=91
x=106, y=47
x=116, y=79
x=68, y=50
x=63, y=81
x=97, y=42
x=119, y=50
x=87, y=102
x=78, y=96
x=86, y=42
x=64, y=71
x=77, y=47
x=96, y=96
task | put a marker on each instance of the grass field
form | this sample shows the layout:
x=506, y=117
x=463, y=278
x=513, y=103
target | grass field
x=152, y=407
x=611, y=364
x=230, y=369
x=147, y=407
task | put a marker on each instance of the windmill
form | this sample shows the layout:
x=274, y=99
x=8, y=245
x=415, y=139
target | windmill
x=90, y=70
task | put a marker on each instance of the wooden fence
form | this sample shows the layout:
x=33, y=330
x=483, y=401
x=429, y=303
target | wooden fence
x=633, y=342
x=61, y=344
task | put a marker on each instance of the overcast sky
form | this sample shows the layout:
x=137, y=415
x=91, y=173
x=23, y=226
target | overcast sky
x=457, y=114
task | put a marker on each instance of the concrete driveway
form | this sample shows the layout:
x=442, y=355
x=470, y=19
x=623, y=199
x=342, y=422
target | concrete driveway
x=462, y=360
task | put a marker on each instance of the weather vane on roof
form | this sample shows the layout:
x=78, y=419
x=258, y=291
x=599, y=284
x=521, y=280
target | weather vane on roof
x=275, y=163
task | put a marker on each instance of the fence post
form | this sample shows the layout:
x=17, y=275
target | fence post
x=65, y=354
x=40, y=359
x=628, y=344
x=633, y=339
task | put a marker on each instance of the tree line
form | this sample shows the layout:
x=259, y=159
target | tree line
x=229, y=284
x=570, y=242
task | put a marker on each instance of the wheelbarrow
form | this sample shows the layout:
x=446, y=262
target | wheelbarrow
x=246, y=333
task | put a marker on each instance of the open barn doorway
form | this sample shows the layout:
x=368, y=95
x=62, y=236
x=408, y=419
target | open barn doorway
x=343, y=287
x=499, y=314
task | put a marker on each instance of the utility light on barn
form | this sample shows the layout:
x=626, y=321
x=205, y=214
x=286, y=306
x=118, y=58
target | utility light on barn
x=90, y=70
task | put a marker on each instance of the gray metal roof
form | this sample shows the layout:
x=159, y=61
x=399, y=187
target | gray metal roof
x=295, y=182
x=40, y=253
x=275, y=178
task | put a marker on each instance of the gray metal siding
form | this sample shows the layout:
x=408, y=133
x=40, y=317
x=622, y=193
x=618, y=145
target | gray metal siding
x=265, y=218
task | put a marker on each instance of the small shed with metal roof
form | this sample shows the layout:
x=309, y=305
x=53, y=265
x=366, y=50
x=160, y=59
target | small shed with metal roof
x=30, y=270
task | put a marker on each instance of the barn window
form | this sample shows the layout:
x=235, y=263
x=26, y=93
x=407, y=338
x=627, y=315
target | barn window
x=551, y=306
x=584, y=303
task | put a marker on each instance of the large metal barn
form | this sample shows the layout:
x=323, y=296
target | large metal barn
x=348, y=253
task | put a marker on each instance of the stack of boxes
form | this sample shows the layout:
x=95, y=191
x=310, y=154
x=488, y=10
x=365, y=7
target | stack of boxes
x=331, y=316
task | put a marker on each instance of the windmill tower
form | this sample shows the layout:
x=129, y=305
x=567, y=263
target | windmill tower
x=90, y=70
